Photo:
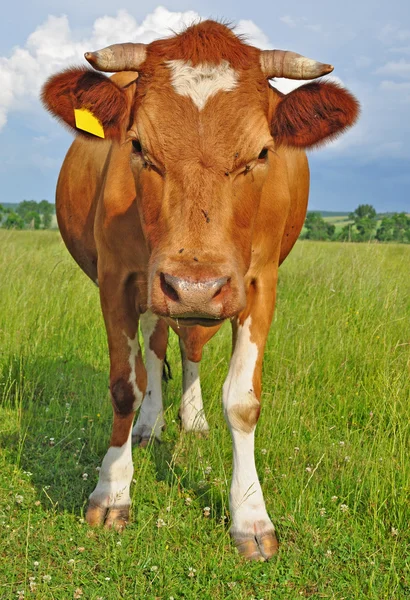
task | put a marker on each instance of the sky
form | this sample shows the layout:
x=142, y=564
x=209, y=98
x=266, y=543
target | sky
x=368, y=42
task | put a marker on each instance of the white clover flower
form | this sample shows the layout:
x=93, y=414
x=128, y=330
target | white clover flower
x=308, y=469
x=191, y=572
x=188, y=501
x=264, y=451
x=207, y=470
x=19, y=498
x=333, y=498
x=154, y=568
x=341, y=443
x=85, y=476
x=344, y=508
x=46, y=578
x=322, y=512
x=329, y=553
x=160, y=523
x=36, y=563
x=207, y=511
x=394, y=531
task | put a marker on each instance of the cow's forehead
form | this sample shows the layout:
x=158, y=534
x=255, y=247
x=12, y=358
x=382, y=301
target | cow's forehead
x=202, y=81
x=206, y=106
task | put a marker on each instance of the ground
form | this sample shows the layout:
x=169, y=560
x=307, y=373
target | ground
x=332, y=440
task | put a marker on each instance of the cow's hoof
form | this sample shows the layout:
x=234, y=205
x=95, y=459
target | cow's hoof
x=143, y=442
x=194, y=423
x=146, y=429
x=112, y=518
x=259, y=547
x=117, y=518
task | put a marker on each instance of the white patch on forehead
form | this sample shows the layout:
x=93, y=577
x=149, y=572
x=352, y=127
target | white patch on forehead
x=203, y=81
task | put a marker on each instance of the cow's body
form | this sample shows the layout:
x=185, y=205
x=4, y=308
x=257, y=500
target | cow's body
x=183, y=217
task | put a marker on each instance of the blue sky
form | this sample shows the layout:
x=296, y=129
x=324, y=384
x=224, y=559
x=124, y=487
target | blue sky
x=367, y=42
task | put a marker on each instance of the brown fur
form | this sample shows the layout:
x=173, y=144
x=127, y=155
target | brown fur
x=313, y=114
x=83, y=88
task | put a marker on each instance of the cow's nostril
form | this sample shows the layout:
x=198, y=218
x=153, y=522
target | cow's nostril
x=221, y=285
x=167, y=287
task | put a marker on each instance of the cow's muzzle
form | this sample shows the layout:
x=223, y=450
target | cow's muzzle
x=198, y=300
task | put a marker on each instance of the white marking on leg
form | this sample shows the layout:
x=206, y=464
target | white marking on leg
x=202, y=81
x=135, y=349
x=113, y=487
x=151, y=416
x=248, y=511
x=191, y=410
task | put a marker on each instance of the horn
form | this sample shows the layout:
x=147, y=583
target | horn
x=118, y=57
x=282, y=63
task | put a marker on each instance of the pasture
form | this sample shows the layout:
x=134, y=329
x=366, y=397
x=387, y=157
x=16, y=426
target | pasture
x=332, y=441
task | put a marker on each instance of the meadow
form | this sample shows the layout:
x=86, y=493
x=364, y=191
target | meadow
x=332, y=440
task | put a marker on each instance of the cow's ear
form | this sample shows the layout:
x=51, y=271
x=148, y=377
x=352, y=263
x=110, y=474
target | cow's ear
x=88, y=102
x=313, y=114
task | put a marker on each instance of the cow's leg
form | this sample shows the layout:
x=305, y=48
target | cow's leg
x=150, y=422
x=191, y=410
x=110, y=501
x=252, y=530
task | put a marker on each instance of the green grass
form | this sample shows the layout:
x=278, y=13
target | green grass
x=334, y=431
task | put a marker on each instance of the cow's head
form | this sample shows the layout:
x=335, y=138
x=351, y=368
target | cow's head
x=202, y=125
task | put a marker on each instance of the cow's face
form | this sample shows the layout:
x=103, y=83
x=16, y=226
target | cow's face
x=201, y=138
x=200, y=156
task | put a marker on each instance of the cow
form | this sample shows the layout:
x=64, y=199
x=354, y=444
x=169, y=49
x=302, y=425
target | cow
x=185, y=189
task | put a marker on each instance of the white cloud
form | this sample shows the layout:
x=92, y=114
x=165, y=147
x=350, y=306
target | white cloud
x=394, y=86
x=400, y=68
x=253, y=34
x=288, y=20
x=392, y=32
x=54, y=45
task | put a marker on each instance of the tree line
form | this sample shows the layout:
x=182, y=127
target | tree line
x=29, y=214
x=364, y=225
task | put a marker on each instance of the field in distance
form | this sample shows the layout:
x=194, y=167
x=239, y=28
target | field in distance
x=332, y=440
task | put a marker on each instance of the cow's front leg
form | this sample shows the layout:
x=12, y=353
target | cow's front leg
x=191, y=411
x=110, y=501
x=150, y=422
x=251, y=529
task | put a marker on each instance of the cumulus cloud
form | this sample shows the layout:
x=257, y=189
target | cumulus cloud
x=55, y=45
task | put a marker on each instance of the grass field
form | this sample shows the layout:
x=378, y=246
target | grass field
x=332, y=440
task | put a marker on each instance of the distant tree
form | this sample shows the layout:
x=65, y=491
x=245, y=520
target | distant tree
x=25, y=207
x=46, y=210
x=13, y=221
x=32, y=219
x=394, y=228
x=317, y=228
x=365, y=222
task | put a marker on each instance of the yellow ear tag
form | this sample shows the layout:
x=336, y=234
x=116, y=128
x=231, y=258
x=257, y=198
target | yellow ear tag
x=85, y=120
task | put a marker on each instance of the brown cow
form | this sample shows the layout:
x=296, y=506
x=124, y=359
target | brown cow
x=183, y=215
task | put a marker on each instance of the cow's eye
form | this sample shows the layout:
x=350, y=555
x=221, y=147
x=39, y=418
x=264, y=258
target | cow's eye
x=263, y=155
x=136, y=145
